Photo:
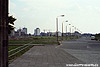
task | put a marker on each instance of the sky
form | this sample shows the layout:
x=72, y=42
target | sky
x=32, y=14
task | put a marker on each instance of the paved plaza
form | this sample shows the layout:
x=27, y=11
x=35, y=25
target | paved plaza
x=45, y=56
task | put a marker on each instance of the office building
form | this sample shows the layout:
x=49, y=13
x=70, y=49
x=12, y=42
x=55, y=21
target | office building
x=37, y=32
x=24, y=30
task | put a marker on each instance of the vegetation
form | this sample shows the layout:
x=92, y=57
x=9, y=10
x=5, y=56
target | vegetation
x=11, y=21
x=39, y=40
x=11, y=47
x=44, y=42
x=97, y=36
x=18, y=42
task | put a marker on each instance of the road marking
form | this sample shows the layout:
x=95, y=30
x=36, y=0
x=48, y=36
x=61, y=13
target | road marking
x=58, y=46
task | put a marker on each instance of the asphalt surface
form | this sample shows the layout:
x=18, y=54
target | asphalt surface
x=84, y=49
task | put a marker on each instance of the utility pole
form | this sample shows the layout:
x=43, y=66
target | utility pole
x=3, y=33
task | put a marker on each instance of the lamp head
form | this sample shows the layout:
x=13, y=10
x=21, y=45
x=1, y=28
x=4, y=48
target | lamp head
x=66, y=21
x=62, y=15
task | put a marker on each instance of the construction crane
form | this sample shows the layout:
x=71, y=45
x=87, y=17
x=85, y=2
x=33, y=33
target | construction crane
x=46, y=30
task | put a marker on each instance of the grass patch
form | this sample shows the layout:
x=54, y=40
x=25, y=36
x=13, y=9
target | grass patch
x=17, y=54
x=18, y=42
x=44, y=42
x=10, y=47
x=44, y=38
x=41, y=40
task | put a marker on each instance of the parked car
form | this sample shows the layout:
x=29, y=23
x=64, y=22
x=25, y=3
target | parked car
x=92, y=37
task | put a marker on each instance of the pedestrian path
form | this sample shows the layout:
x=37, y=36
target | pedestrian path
x=45, y=56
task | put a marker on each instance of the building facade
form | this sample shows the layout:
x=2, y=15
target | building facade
x=37, y=32
x=19, y=32
x=24, y=30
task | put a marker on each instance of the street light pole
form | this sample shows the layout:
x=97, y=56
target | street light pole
x=66, y=28
x=70, y=29
x=73, y=29
x=57, y=25
x=62, y=29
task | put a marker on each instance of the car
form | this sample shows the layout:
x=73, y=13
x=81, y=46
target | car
x=92, y=37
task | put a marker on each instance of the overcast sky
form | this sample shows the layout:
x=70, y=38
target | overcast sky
x=83, y=14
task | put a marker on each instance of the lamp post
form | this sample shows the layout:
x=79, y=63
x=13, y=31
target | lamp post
x=57, y=24
x=62, y=28
x=70, y=29
x=66, y=28
x=73, y=29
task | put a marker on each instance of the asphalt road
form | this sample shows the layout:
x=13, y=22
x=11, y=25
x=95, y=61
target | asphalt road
x=84, y=49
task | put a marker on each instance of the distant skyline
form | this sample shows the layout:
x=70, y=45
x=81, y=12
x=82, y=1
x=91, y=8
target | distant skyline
x=83, y=14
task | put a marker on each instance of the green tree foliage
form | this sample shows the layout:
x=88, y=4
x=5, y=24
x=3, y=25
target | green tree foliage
x=11, y=21
x=97, y=35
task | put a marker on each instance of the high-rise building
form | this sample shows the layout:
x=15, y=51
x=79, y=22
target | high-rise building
x=37, y=32
x=19, y=32
x=24, y=30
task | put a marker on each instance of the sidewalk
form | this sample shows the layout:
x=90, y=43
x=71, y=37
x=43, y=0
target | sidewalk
x=44, y=56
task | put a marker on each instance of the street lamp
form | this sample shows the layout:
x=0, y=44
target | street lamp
x=70, y=29
x=57, y=24
x=66, y=27
x=62, y=28
x=73, y=29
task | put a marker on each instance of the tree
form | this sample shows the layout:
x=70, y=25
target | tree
x=11, y=21
x=97, y=35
